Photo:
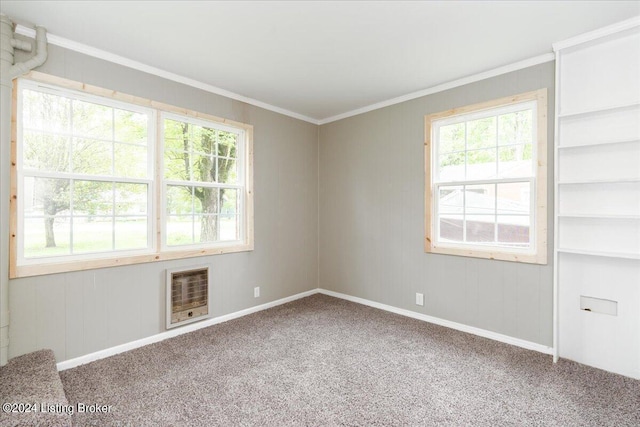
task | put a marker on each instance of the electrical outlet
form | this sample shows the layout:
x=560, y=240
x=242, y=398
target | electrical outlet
x=419, y=299
x=256, y=292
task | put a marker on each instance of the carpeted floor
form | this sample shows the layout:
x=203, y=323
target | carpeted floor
x=322, y=361
x=29, y=380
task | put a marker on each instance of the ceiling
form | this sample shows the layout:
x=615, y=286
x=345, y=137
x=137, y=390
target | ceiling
x=321, y=59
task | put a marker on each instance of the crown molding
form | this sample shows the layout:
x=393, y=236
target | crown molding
x=597, y=34
x=117, y=59
x=547, y=57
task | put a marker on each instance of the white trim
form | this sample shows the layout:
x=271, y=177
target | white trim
x=117, y=59
x=540, y=59
x=101, y=354
x=556, y=210
x=597, y=34
x=442, y=322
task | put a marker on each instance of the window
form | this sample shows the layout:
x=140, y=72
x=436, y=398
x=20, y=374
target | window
x=486, y=179
x=89, y=193
x=202, y=182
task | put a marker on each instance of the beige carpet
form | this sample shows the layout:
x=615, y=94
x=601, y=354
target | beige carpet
x=322, y=361
x=31, y=392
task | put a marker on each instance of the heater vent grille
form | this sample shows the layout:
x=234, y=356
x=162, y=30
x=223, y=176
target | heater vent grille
x=187, y=295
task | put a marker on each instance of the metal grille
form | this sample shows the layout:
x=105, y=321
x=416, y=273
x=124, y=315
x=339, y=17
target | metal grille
x=189, y=295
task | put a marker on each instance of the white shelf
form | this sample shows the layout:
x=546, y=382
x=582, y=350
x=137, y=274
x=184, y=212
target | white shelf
x=597, y=219
x=591, y=111
x=598, y=216
x=624, y=255
x=598, y=144
x=599, y=181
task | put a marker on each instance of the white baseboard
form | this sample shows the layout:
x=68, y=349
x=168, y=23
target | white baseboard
x=442, y=322
x=72, y=363
x=101, y=354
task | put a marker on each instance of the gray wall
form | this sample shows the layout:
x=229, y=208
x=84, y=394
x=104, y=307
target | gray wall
x=81, y=312
x=372, y=216
x=369, y=211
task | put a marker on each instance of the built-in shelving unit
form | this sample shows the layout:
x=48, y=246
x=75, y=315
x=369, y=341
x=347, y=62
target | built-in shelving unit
x=597, y=197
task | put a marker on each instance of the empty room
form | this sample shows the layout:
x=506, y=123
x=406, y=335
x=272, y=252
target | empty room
x=292, y=213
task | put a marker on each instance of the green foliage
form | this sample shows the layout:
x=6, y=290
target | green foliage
x=452, y=138
x=195, y=153
x=476, y=157
x=515, y=128
x=64, y=135
x=507, y=137
x=481, y=133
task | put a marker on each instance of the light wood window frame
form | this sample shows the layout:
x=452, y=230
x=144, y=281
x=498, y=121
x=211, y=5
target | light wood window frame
x=536, y=255
x=157, y=252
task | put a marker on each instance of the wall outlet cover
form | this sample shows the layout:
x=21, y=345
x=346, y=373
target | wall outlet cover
x=419, y=299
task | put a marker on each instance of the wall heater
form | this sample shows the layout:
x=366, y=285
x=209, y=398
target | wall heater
x=187, y=295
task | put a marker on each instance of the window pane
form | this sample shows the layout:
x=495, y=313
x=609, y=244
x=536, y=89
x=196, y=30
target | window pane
x=176, y=136
x=204, y=168
x=92, y=120
x=480, y=199
x=45, y=112
x=450, y=228
x=515, y=128
x=45, y=152
x=46, y=236
x=176, y=165
x=227, y=171
x=514, y=230
x=209, y=199
x=480, y=228
x=481, y=133
x=514, y=198
x=227, y=144
x=92, y=234
x=179, y=230
x=451, y=167
x=203, y=139
x=229, y=227
x=451, y=138
x=130, y=126
x=131, y=199
x=229, y=197
x=175, y=144
x=481, y=164
x=515, y=161
x=206, y=228
x=451, y=200
x=179, y=200
x=92, y=198
x=90, y=156
x=46, y=196
x=130, y=161
x=131, y=232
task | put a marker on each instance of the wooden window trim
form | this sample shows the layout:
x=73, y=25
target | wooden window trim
x=112, y=260
x=540, y=256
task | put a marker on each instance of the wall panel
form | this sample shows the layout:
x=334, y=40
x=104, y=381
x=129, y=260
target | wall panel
x=372, y=219
x=82, y=312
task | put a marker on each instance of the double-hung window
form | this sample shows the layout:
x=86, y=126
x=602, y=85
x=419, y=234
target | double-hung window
x=85, y=175
x=203, y=182
x=486, y=179
x=102, y=178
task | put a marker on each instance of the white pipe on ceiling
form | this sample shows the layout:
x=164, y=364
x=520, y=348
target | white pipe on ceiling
x=9, y=71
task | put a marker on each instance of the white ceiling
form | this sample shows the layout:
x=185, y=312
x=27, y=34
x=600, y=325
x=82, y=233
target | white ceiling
x=322, y=59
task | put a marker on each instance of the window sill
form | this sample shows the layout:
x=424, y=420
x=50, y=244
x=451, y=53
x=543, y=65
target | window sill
x=490, y=253
x=68, y=266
